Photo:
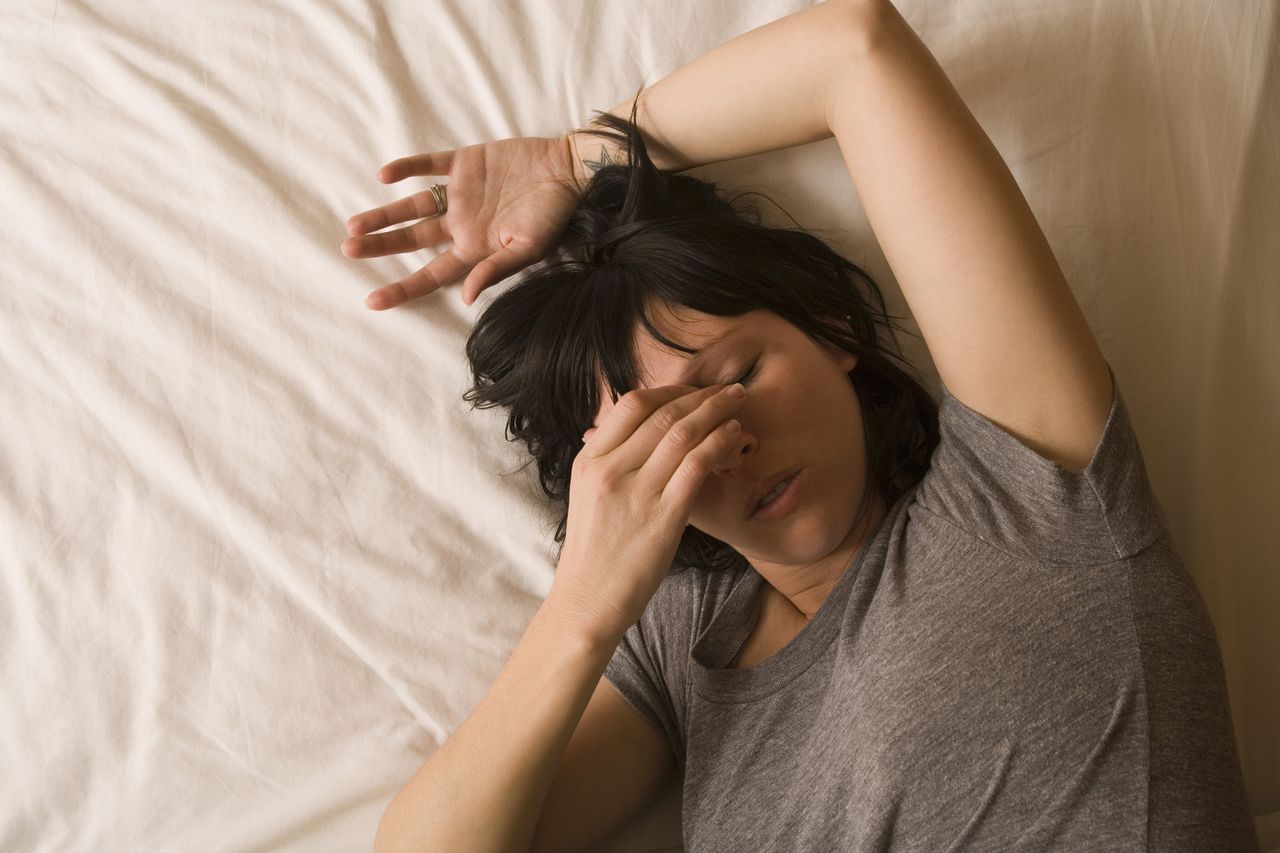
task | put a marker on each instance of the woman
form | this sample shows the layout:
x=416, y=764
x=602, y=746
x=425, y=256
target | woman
x=855, y=620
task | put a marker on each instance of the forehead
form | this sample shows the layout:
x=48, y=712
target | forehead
x=715, y=338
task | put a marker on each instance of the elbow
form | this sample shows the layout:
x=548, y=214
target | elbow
x=391, y=836
x=866, y=23
x=861, y=26
x=866, y=26
x=384, y=839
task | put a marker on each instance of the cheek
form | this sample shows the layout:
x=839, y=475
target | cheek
x=712, y=506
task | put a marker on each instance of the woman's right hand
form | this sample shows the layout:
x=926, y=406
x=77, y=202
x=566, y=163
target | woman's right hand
x=508, y=202
x=630, y=497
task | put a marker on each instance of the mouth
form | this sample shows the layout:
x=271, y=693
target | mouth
x=768, y=496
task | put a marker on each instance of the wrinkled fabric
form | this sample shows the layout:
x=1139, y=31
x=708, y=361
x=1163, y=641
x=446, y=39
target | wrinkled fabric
x=1016, y=660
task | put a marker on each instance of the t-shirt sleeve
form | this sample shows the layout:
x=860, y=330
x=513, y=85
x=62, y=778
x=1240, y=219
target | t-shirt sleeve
x=650, y=666
x=997, y=489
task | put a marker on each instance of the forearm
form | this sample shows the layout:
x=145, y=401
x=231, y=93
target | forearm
x=766, y=89
x=484, y=788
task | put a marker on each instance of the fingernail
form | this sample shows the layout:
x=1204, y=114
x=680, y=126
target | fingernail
x=376, y=301
x=736, y=391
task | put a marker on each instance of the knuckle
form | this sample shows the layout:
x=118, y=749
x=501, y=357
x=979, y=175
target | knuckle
x=696, y=467
x=422, y=281
x=667, y=419
x=682, y=434
x=609, y=480
x=632, y=402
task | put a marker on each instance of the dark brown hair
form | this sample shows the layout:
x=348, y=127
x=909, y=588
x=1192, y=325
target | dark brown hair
x=541, y=347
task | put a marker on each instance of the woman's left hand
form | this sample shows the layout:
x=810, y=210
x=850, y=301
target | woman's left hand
x=508, y=201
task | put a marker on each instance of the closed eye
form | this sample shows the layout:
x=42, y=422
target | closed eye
x=751, y=371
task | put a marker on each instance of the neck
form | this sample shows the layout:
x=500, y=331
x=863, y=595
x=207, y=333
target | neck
x=800, y=591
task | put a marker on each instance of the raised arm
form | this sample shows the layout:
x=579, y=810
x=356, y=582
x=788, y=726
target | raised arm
x=1005, y=331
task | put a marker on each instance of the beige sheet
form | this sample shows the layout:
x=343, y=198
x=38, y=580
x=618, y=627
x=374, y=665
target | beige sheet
x=257, y=557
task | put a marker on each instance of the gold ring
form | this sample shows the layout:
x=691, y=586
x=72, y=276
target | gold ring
x=442, y=201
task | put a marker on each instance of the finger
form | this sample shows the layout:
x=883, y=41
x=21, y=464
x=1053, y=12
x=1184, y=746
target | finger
x=675, y=391
x=686, y=481
x=493, y=269
x=443, y=269
x=686, y=435
x=416, y=206
x=420, y=235
x=623, y=428
x=431, y=163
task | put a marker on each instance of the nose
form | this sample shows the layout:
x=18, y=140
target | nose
x=745, y=444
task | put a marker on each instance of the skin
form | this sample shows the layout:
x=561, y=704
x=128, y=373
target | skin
x=802, y=555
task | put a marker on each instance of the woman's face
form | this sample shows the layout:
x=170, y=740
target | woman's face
x=801, y=411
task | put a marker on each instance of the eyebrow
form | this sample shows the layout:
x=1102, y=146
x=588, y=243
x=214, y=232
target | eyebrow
x=691, y=367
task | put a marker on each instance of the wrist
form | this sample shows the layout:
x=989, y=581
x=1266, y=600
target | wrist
x=580, y=618
x=589, y=154
x=579, y=170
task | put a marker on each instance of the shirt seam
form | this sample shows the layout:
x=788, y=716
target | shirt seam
x=1106, y=516
x=1146, y=705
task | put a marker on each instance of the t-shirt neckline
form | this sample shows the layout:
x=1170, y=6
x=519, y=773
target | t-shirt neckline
x=729, y=629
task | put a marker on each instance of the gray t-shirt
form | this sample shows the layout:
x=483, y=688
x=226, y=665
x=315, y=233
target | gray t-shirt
x=1016, y=660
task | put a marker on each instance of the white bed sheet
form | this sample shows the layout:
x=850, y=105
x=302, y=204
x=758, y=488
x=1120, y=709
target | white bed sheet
x=258, y=558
